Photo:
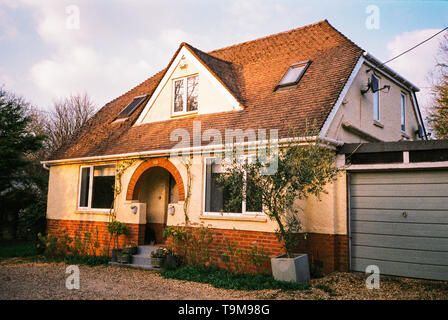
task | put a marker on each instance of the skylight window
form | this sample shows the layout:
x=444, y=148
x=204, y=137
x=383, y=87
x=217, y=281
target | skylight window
x=131, y=107
x=293, y=75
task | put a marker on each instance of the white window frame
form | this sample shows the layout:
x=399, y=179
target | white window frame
x=229, y=214
x=184, y=111
x=378, y=99
x=403, y=112
x=89, y=200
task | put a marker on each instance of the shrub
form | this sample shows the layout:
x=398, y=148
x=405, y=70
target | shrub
x=238, y=260
x=54, y=245
x=191, y=243
x=220, y=278
x=115, y=229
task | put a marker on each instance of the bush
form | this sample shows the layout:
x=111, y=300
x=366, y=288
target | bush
x=192, y=244
x=220, y=278
x=54, y=245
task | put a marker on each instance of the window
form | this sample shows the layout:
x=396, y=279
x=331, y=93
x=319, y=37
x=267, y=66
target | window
x=96, y=188
x=185, y=95
x=293, y=74
x=376, y=97
x=403, y=112
x=217, y=197
x=131, y=107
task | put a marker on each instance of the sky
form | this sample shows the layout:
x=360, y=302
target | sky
x=50, y=49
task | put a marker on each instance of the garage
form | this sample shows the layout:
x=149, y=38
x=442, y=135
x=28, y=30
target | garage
x=398, y=207
x=399, y=222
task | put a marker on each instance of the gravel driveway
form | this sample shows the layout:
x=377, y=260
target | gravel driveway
x=32, y=280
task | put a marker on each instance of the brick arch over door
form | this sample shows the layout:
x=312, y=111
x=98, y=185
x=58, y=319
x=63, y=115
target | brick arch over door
x=132, y=192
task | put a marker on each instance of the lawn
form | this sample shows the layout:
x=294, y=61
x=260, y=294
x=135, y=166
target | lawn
x=15, y=248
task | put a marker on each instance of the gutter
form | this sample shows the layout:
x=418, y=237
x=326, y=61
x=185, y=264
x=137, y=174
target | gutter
x=384, y=68
x=193, y=150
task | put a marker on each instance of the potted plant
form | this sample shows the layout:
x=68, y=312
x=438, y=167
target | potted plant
x=158, y=257
x=292, y=172
x=124, y=257
x=172, y=260
x=131, y=248
x=115, y=229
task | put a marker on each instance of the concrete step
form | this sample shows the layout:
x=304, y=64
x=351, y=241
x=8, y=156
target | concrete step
x=141, y=259
x=135, y=266
x=146, y=249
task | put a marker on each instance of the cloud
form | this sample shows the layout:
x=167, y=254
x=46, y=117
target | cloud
x=8, y=30
x=416, y=65
x=82, y=69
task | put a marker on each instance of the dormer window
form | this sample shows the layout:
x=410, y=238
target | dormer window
x=185, y=95
x=293, y=74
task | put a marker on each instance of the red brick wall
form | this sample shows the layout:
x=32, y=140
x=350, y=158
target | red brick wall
x=328, y=251
x=98, y=231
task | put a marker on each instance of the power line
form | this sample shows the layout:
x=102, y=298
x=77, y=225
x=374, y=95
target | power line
x=413, y=47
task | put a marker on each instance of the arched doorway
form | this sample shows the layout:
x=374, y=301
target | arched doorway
x=157, y=183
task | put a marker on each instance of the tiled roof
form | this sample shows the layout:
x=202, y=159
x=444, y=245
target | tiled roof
x=250, y=71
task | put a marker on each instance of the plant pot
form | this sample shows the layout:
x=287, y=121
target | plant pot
x=294, y=269
x=130, y=250
x=172, y=261
x=124, y=257
x=114, y=255
x=157, y=262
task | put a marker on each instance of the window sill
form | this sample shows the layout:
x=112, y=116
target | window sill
x=260, y=218
x=179, y=115
x=378, y=124
x=404, y=135
x=90, y=211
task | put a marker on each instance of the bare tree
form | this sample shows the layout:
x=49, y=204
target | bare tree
x=68, y=116
x=438, y=114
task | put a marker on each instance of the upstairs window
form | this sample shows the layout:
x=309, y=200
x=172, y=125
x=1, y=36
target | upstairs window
x=96, y=187
x=376, y=97
x=217, y=197
x=185, y=95
x=403, y=112
x=293, y=74
x=131, y=107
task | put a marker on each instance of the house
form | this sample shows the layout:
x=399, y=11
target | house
x=265, y=87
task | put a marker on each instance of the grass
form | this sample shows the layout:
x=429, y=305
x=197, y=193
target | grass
x=220, y=278
x=21, y=249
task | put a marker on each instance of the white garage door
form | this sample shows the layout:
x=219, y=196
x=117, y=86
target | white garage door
x=399, y=222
